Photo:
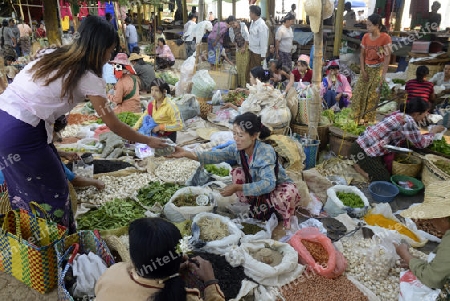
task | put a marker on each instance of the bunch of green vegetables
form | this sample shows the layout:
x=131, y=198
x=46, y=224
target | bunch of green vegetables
x=350, y=199
x=157, y=193
x=112, y=215
x=441, y=146
x=345, y=120
x=126, y=117
x=329, y=115
x=236, y=98
x=385, y=91
x=399, y=81
x=168, y=77
x=218, y=171
x=443, y=165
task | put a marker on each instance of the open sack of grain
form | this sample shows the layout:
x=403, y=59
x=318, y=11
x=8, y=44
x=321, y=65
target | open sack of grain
x=266, y=261
x=214, y=233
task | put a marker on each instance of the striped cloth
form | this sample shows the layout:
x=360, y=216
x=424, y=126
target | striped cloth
x=422, y=89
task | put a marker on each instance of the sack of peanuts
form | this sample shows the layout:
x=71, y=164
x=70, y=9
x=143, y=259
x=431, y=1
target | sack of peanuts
x=266, y=261
x=318, y=253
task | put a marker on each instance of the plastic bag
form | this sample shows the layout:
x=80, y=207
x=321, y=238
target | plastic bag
x=143, y=151
x=203, y=84
x=217, y=98
x=411, y=289
x=199, y=178
x=380, y=258
x=222, y=246
x=266, y=228
x=188, y=106
x=276, y=117
x=336, y=262
x=186, y=72
x=334, y=205
x=90, y=144
x=221, y=201
x=178, y=214
x=263, y=273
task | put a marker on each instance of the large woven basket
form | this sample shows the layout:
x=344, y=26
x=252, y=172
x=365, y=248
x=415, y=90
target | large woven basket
x=412, y=68
x=205, y=108
x=431, y=173
x=279, y=131
x=322, y=131
x=341, y=142
x=410, y=169
x=115, y=244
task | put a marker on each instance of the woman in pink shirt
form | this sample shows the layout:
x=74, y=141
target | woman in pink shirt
x=335, y=87
x=164, y=56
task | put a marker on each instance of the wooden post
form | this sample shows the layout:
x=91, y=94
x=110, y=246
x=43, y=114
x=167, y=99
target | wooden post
x=338, y=26
x=234, y=7
x=398, y=19
x=185, y=13
x=139, y=13
x=201, y=11
x=315, y=107
x=51, y=21
x=219, y=10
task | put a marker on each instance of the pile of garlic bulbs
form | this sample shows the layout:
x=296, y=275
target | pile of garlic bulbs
x=115, y=187
x=386, y=288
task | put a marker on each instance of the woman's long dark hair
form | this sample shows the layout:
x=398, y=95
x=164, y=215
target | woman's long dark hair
x=377, y=20
x=415, y=105
x=251, y=123
x=261, y=74
x=152, y=242
x=87, y=52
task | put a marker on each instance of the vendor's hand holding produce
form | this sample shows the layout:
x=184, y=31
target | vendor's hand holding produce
x=230, y=190
x=156, y=142
x=71, y=156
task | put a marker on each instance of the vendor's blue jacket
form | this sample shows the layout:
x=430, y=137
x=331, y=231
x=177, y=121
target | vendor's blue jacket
x=262, y=167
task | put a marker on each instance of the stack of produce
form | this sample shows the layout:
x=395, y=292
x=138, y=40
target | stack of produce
x=236, y=98
x=126, y=117
x=176, y=171
x=212, y=229
x=350, y=199
x=156, y=192
x=441, y=146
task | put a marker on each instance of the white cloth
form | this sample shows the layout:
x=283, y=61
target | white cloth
x=201, y=29
x=31, y=101
x=189, y=29
x=285, y=36
x=439, y=79
x=244, y=32
x=259, y=37
x=131, y=34
x=87, y=269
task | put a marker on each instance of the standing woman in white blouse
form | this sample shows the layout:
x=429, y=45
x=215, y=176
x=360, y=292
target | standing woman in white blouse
x=284, y=39
x=44, y=90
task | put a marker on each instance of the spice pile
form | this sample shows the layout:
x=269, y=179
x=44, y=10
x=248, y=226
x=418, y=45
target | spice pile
x=250, y=229
x=382, y=221
x=313, y=287
x=212, y=229
x=185, y=200
x=317, y=251
x=268, y=256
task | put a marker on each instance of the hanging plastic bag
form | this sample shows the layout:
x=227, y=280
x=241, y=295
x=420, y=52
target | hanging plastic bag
x=186, y=72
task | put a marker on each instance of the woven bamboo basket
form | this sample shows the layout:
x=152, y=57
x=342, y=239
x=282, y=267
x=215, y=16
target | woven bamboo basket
x=5, y=204
x=412, y=68
x=115, y=244
x=431, y=173
x=279, y=131
x=341, y=142
x=410, y=169
x=322, y=131
x=205, y=108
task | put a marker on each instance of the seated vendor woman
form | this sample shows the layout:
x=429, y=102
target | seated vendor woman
x=436, y=273
x=335, y=89
x=260, y=181
x=369, y=150
x=126, y=90
x=163, y=118
x=154, y=272
x=282, y=77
